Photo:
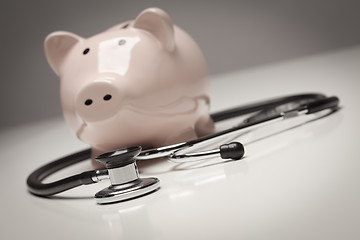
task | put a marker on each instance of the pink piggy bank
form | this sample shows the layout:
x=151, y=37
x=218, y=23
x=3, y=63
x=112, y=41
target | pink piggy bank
x=142, y=82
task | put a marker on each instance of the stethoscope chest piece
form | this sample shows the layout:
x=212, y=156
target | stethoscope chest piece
x=124, y=177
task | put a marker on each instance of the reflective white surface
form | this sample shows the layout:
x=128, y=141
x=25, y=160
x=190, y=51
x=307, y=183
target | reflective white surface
x=300, y=184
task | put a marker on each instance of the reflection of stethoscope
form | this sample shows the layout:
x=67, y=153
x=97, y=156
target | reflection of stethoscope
x=121, y=164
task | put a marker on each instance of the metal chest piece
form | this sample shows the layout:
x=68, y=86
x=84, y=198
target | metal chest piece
x=124, y=177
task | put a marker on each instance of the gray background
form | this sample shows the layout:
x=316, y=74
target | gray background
x=232, y=34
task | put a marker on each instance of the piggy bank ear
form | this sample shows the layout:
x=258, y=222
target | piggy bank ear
x=159, y=24
x=57, y=46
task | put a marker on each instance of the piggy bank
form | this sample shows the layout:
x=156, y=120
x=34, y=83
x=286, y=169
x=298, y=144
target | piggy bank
x=142, y=82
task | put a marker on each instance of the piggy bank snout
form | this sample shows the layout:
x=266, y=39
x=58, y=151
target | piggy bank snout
x=98, y=101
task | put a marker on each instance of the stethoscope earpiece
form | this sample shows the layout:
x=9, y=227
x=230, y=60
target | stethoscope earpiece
x=124, y=177
x=233, y=150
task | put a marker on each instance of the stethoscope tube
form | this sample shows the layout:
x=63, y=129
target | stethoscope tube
x=308, y=103
x=35, y=179
x=267, y=104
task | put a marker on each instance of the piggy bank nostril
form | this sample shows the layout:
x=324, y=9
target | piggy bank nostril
x=88, y=102
x=107, y=97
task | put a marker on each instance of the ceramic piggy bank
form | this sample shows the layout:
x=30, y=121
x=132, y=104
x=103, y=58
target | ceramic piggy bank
x=142, y=82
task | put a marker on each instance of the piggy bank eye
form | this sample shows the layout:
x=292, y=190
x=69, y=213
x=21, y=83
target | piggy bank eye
x=86, y=51
x=122, y=42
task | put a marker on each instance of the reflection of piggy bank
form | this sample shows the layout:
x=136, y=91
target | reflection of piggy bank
x=142, y=82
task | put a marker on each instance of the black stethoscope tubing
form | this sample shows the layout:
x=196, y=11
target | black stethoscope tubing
x=312, y=102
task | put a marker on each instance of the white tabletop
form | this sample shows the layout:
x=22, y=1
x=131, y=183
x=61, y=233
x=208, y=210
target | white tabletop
x=300, y=184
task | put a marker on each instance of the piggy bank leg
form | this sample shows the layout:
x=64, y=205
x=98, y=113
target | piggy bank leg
x=204, y=126
x=186, y=135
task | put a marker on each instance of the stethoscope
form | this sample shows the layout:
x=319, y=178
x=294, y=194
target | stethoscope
x=121, y=166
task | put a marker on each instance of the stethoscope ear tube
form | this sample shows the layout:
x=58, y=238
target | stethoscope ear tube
x=233, y=150
x=319, y=105
x=262, y=105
